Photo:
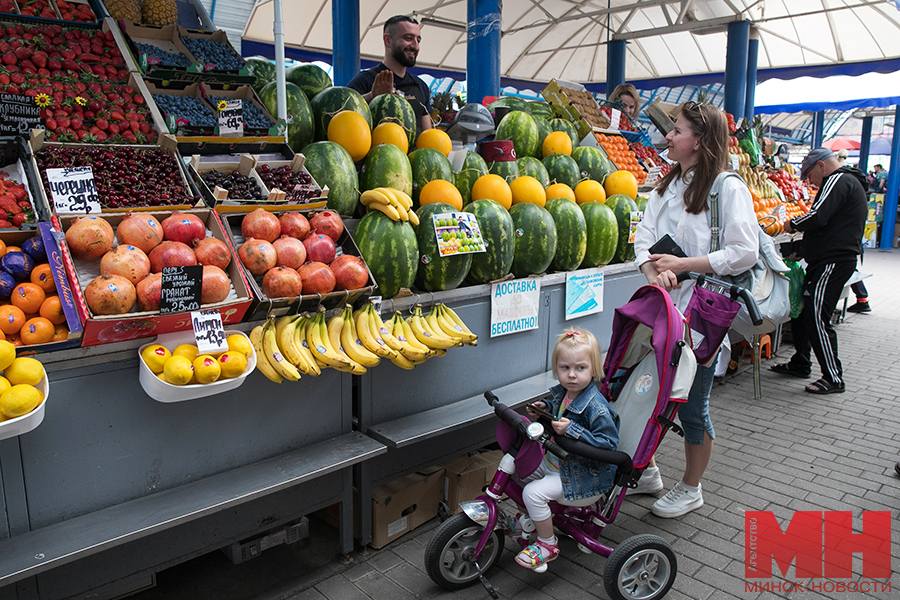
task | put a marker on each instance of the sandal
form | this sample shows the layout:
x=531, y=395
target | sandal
x=823, y=386
x=531, y=556
x=785, y=369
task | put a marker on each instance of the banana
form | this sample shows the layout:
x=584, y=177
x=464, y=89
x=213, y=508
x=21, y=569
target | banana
x=412, y=340
x=281, y=323
x=401, y=200
x=403, y=362
x=424, y=334
x=315, y=365
x=369, y=196
x=317, y=337
x=387, y=209
x=370, y=337
x=287, y=345
x=431, y=319
x=416, y=353
x=400, y=207
x=377, y=325
x=413, y=217
x=404, y=198
x=335, y=325
x=452, y=327
x=262, y=364
x=351, y=343
x=273, y=353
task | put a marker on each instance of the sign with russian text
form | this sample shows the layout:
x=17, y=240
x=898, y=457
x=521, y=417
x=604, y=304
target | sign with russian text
x=584, y=293
x=514, y=306
x=180, y=289
x=231, y=118
x=73, y=190
x=208, y=331
x=19, y=115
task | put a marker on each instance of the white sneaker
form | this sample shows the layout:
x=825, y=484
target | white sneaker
x=679, y=501
x=647, y=484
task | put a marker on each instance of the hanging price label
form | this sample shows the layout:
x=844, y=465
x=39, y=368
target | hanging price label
x=208, y=331
x=615, y=115
x=635, y=218
x=652, y=176
x=19, y=115
x=231, y=118
x=180, y=289
x=73, y=190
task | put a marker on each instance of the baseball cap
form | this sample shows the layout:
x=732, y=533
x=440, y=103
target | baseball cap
x=814, y=156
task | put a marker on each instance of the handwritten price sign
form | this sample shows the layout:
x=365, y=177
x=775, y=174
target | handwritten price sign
x=73, y=190
x=180, y=289
x=231, y=118
x=208, y=331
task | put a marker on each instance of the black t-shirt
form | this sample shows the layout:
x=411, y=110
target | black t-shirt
x=411, y=87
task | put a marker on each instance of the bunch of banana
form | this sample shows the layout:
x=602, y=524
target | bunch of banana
x=269, y=359
x=323, y=349
x=396, y=204
x=452, y=325
x=374, y=335
x=431, y=335
x=290, y=331
x=413, y=352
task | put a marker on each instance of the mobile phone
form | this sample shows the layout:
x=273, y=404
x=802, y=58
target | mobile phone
x=666, y=245
x=541, y=412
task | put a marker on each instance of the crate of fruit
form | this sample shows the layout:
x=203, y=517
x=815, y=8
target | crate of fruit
x=228, y=180
x=572, y=101
x=77, y=11
x=257, y=121
x=21, y=204
x=155, y=49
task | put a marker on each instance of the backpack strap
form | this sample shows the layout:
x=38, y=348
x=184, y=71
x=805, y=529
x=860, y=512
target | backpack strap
x=713, y=201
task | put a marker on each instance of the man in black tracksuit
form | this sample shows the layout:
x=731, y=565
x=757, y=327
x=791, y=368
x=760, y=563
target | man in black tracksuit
x=832, y=231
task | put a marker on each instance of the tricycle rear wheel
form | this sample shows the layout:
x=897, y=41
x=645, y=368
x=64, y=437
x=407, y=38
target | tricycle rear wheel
x=643, y=567
x=450, y=556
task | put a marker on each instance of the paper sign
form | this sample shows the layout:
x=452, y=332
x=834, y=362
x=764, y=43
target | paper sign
x=805, y=194
x=652, y=176
x=377, y=304
x=231, y=118
x=208, y=331
x=584, y=293
x=665, y=156
x=514, y=306
x=615, y=115
x=780, y=212
x=735, y=162
x=457, y=233
x=635, y=218
x=73, y=190
x=19, y=115
x=180, y=289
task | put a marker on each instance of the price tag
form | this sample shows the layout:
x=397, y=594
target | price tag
x=209, y=331
x=735, y=162
x=740, y=122
x=635, y=218
x=180, y=289
x=777, y=163
x=231, y=118
x=73, y=190
x=653, y=175
x=376, y=303
x=805, y=194
x=615, y=115
x=19, y=115
x=780, y=212
x=457, y=233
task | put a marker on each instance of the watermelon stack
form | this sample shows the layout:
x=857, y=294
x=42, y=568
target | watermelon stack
x=309, y=78
x=533, y=167
x=562, y=168
x=602, y=234
x=392, y=108
x=497, y=231
x=568, y=127
x=263, y=71
x=519, y=128
x=331, y=165
x=592, y=162
x=622, y=206
x=329, y=102
x=507, y=169
x=544, y=130
x=512, y=102
x=300, y=129
x=436, y=272
x=390, y=249
x=427, y=165
x=571, y=234
x=535, y=239
x=541, y=109
x=386, y=166
x=473, y=167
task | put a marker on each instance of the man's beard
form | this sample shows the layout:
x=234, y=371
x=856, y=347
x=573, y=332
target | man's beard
x=398, y=54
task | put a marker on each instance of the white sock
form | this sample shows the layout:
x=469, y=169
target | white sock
x=650, y=472
x=551, y=541
x=690, y=488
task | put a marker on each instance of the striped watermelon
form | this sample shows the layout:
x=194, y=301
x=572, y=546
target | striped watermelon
x=623, y=206
x=309, y=78
x=473, y=168
x=535, y=239
x=393, y=108
x=331, y=165
x=300, y=130
x=533, y=167
x=544, y=130
x=507, y=169
x=592, y=162
x=641, y=202
x=497, y=230
x=538, y=108
x=512, y=102
x=436, y=272
x=386, y=166
x=571, y=234
x=602, y=234
x=519, y=127
x=333, y=100
x=562, y=168
x=390, y=250
x=427, y=165
x=568, y=127
x=263, y=71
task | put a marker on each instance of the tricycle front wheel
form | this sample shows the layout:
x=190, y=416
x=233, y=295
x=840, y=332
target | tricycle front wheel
x=450, y=556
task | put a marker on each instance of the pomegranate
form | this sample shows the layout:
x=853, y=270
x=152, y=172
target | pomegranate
x=349, y=272
x=126, y=261
x=216, y=285
x=328, y=223
x=291, y=251
x=257, y=255
x=89, y=238
x=148, y=292
x=282, y=282
x=317, y=278
x=261, y=225
x=210, y=251
x=171, y=254
x=183, y=227
x=109, y=295
x=142, y=231
x=294, y=224
x=319, y=248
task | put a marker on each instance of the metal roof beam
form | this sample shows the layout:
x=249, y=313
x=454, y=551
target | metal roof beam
x=707, y=25
x=594, y=13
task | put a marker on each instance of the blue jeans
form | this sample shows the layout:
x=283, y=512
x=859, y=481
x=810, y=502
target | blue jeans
x=694, y=414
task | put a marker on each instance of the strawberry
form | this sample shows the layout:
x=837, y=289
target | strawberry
x=9, y=58
x=77, y=124
x=103, y=124
x=23, y=204
x=51, y=124
x=113, y=129
x=3, y=215
x=8, y=203
x=21, y=218
x=6, y=225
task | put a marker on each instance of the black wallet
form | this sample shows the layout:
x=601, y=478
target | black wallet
x=666, y=245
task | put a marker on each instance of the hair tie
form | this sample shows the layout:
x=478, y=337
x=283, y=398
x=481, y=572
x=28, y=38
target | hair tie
x=572, y=332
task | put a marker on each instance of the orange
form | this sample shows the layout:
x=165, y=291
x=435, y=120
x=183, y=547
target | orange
x=15, y=341
x=435, y=138
x=589, y=191
x=492, y=187
x=52, y=310
x=560, y=190
x=2, y=247
x=60, y=333
x=28, y=297
x=37, y=331
x=557, y=142
x=438, y=190
x=11, y=319
x=13, y=249
x=621, y=182
x=350, y=130
x=528, y=190
x=390, y=133
x=42, y=276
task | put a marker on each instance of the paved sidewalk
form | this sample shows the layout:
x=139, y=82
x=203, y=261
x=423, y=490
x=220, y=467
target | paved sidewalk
x=789, y=451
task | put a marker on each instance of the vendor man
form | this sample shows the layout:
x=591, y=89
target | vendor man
x=401, y=48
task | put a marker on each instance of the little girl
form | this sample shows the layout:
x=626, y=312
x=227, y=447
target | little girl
x=581, y=413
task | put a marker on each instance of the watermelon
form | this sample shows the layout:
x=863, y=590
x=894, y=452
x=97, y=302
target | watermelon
x=436, y=272
x=568, y=127
x=300, y=130
x=538, y=108
x=497, y=231
x=263, y=71
x=427, y=165
x=533, y=167
x=512, y=102
x=473, y=167
x=519, y=128
x=562, y=168
x=390, y=250
x=592, y=162
x=623, y=206
x=309, y=78
x=602, y=234
x=386, y=166
x=393, y=108
x=543, y=126
x=641, y=202
x=535, y=239
x=571, y=234
x=507, y=169
x=333, y=100
x=331, y=165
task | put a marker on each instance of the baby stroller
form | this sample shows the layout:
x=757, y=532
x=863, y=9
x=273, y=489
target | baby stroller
x=649, y=371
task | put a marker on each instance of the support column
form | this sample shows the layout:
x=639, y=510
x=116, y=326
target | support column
x=864, y=142
x=893, y=188
x=615, y=64
x=736, y=67
x=281, y=94
x=818, y=129
x=345, y=40
x=750, y=96
x=482, y=49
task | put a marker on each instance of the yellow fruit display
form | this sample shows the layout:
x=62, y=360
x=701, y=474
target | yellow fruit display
x=4, y=385
x=556, y=142
x=189, y=351
x=20, y=400
x=206, y=369
x=527, y=190
x=350, y=130
x=621, y=182
x=241, y=344
x=390, y=133
x=233, y=364
x=178, y=370
x=24, y=370
x=590, y=191
x=435, y=138
x=159, y=12
x=7, y=354
x=559, y=190
x=492, y=187
x=438, y=190
x=155, y=357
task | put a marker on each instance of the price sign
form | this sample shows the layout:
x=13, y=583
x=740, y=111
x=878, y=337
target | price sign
x=231, y=118
x=615, y=115
x=635, y=218
x=73, y=190
x=735, y=162
x=805, y=194
x=180, y=289
x=653, y=175
x=208, y=331
x=457, y=233
x=19, y=115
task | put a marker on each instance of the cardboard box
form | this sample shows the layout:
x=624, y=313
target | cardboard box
x=245, y=165
x=400, y=506
x=17, y=164
x=466, y=476
x=244, y=92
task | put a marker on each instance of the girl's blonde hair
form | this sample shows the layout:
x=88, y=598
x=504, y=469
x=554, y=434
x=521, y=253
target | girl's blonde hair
x=578, y=338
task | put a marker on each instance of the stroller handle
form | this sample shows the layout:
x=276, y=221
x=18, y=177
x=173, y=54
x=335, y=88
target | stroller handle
x=735, y=291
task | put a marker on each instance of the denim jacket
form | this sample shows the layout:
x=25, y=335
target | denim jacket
x=592, y=420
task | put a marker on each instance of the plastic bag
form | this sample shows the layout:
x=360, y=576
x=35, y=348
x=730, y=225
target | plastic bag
x=796, y=276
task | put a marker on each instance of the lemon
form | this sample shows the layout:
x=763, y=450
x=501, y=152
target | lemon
x=24, y=370
x=178, y=370
x=20, y=400
x=7, y=354
x=206, y=369
x=189, y=351
x=155, y=357
x=4, y=385
x=162, y=377
x=232, y=364
x=240, y=343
